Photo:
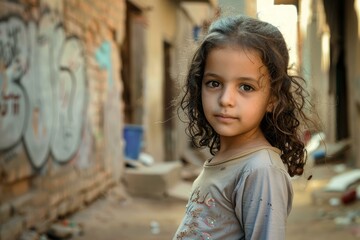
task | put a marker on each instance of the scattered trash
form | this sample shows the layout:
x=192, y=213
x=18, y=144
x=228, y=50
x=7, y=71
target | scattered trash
x=340, y=168
x=65, y=230
x=349, y=218
x=342, y=181
x=129, y=163
x=342, y=220
x=349, y=197
x=334, y=202
x=146, y=159
x=43, y=237
x=154, y=227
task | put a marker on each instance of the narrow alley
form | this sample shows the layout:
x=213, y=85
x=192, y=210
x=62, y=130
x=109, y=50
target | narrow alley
x=92, y=146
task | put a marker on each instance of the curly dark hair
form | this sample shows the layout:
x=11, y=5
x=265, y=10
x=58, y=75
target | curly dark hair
x=281, y=127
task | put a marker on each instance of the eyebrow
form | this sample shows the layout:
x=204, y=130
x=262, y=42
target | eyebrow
x=210, y=74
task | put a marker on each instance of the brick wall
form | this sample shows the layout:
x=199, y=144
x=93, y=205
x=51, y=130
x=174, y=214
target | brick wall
x=60, y=109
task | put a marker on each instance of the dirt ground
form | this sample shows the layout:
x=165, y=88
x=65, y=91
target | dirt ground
x=116, y=217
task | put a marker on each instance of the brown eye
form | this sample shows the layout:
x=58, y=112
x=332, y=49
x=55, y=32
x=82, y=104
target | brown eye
x=213, y=84
x=246, y=88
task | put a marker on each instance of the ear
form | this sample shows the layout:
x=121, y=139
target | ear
x=271, y=104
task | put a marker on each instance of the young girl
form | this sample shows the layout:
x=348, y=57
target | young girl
x=242, y=104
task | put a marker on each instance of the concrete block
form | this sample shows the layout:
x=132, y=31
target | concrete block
x=152, y=181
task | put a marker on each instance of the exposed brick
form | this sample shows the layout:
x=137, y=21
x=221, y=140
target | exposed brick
x=62, y=208
x=6, y=7
x=91, y=195
x=5, y=212
x=87, y=8
x=39, y=199
x=34, y=215
x=60, y=189
x=52, y=214
x=17, y=188
x=12, y=229
x=54, y=198
x=76, y=202
x=72, y=3
x=74, y=28
x=20, y=203
x=16, y=168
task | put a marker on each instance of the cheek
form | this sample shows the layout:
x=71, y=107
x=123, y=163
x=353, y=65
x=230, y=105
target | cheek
x=204, y=97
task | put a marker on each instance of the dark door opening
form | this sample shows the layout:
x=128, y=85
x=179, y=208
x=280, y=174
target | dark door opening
x=168, y=106
x=133, y=61
x=336, y=19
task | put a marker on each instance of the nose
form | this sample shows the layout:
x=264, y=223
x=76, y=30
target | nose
x=227, y=97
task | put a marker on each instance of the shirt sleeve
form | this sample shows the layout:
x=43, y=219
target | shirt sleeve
x=263, y=203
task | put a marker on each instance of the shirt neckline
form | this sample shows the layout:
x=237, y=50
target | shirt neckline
x=242, y=154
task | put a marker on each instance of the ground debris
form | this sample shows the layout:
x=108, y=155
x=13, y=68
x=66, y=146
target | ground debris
x=65, y=230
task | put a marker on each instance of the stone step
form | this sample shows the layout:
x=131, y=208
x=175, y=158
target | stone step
x=152, y=181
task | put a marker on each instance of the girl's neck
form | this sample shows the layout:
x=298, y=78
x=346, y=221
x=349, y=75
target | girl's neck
x=230, y=148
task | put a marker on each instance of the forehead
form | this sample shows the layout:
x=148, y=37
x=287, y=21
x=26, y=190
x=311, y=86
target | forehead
x=235, y=59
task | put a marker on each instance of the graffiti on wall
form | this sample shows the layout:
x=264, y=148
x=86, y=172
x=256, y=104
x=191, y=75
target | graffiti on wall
x=13, y=64
x=42, y=87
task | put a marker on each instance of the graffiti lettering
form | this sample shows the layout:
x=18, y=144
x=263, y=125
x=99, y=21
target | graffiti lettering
x=11, y=100
x=43, y=88
x=9, y=45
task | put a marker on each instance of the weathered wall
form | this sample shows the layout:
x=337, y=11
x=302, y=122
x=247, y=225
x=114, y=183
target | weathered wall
x=162, y=27
x=167, y=22
x=314, y=36
x=61, y=114
x=353, y=61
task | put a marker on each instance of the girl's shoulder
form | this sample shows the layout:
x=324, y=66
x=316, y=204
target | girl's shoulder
x=265, y=158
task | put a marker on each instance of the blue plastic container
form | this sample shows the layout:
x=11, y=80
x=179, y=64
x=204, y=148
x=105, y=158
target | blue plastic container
x=133, y=135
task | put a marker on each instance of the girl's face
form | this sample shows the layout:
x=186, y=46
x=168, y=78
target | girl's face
x=235, y=93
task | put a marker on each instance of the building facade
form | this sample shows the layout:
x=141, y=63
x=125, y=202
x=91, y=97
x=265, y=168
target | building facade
x=73, y=74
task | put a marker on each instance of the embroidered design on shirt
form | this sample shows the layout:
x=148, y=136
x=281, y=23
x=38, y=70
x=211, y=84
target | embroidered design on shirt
x=197, y=213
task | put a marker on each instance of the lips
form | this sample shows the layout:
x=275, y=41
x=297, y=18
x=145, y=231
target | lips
x=225, y=117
